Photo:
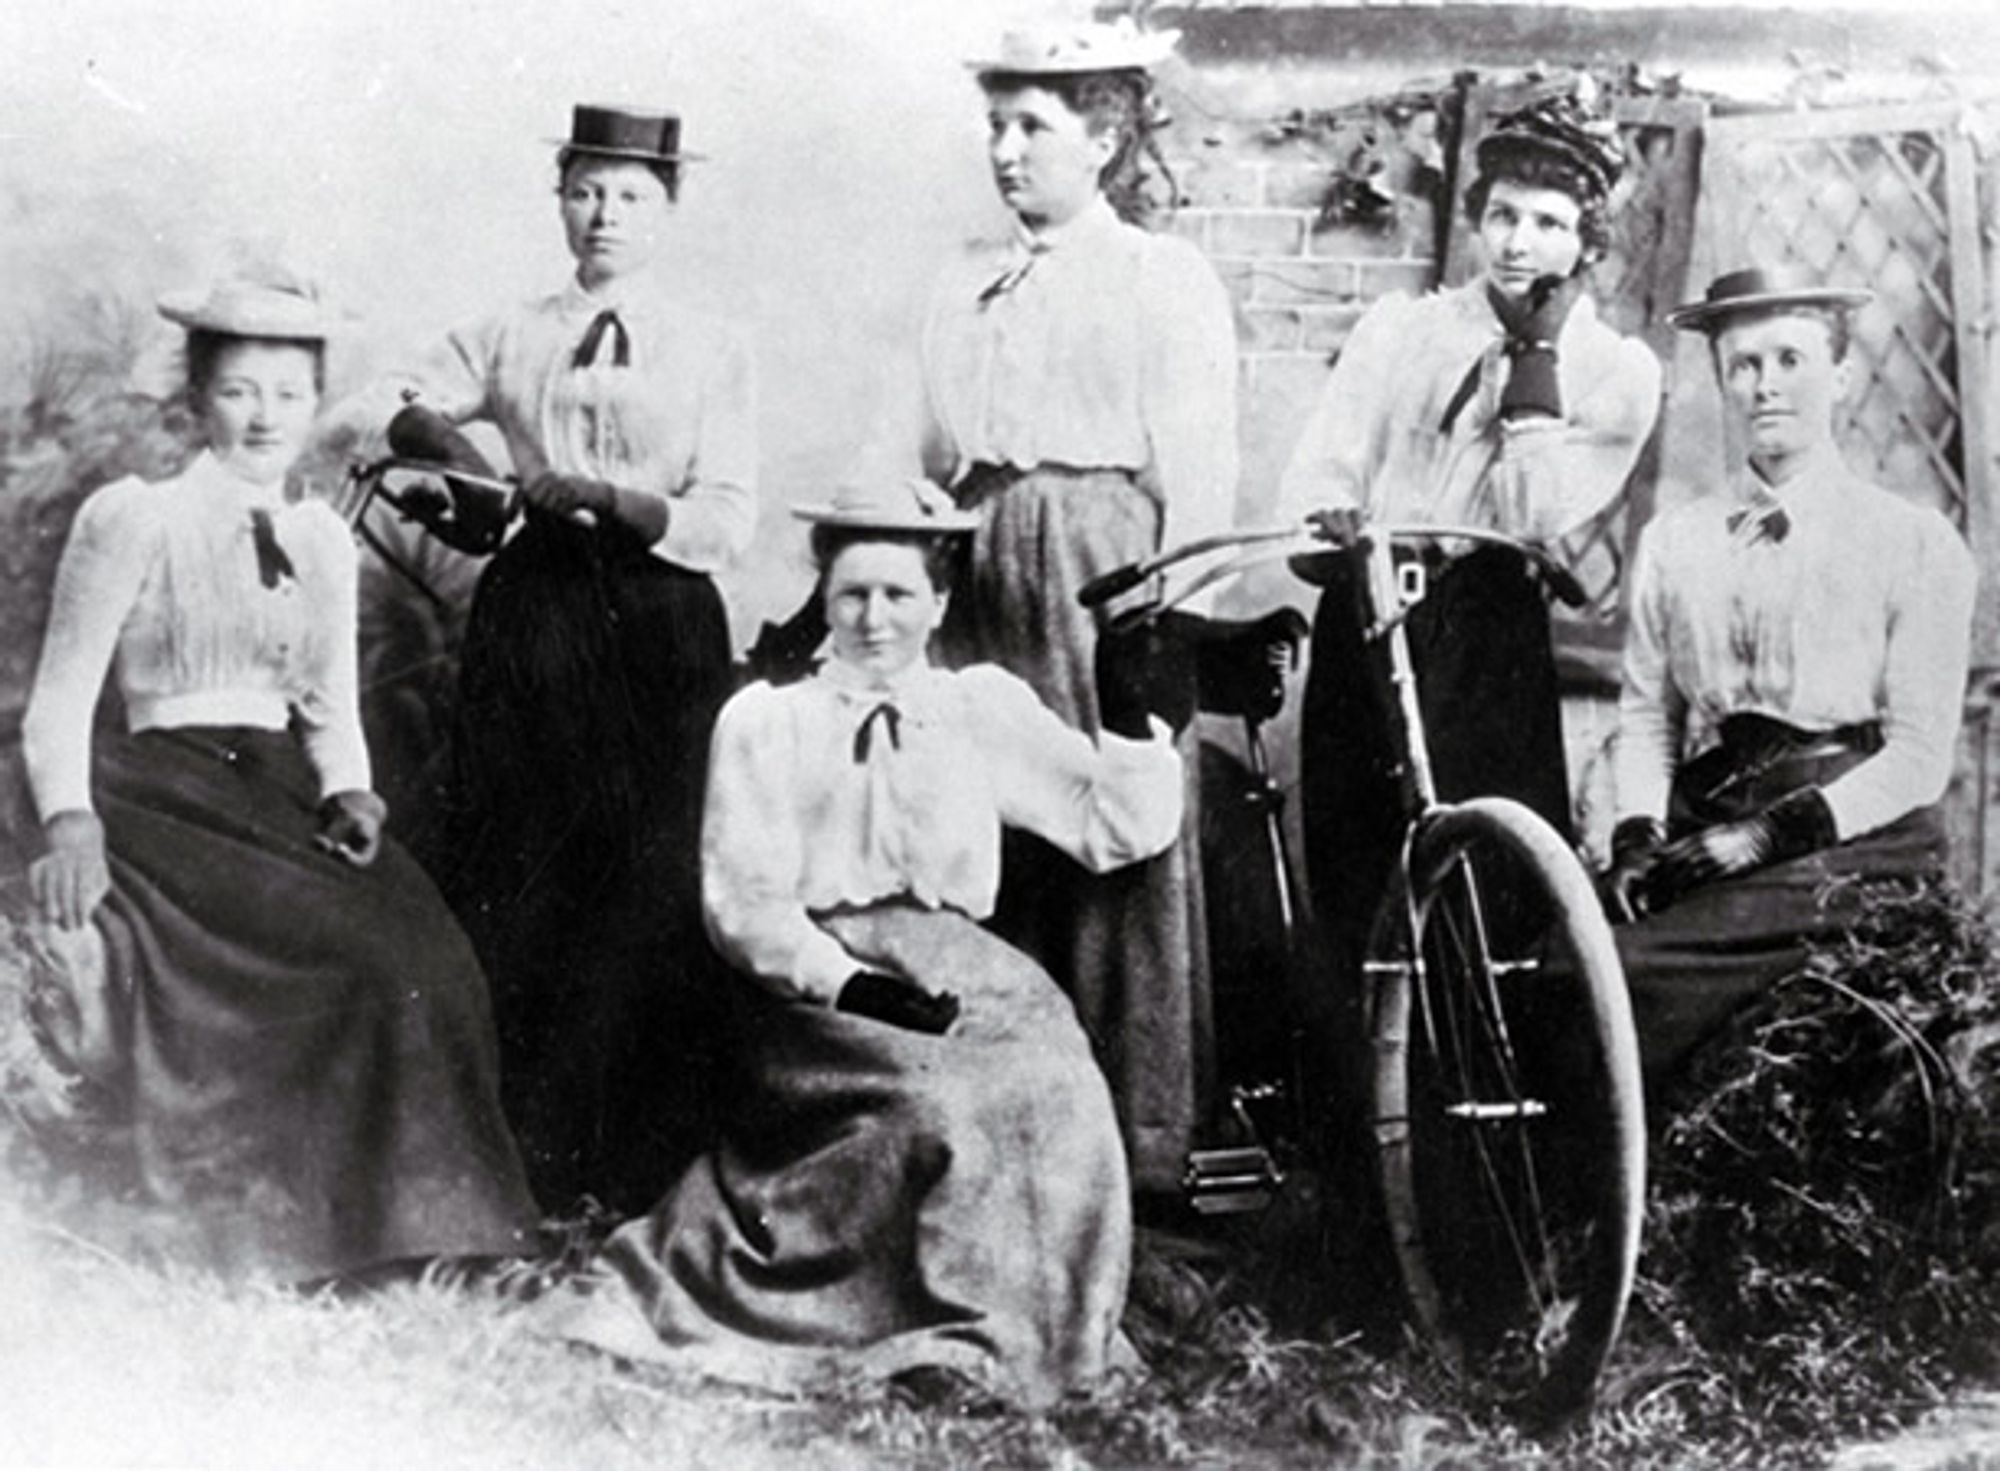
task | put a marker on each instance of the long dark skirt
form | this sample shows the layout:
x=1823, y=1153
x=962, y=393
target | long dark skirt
x=1130, y=947
x=884, y=1199
x=1486, y=684
x=305, y=1075
x=1693, y=965
x=588, y=686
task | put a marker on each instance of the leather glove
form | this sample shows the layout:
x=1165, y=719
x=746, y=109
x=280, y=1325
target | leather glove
x=1240, y=667
x=1145, y=667
x=784, y=652
x=1795, y=825
x=900, y=1003
x=1534, y=323
x=70, y=880
x=1635, y=843
x=564, y=495
x=350, y=826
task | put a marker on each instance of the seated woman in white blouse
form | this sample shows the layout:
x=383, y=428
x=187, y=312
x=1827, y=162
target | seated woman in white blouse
x=924, y=1173
x=1794, y=673
x=287, y=1034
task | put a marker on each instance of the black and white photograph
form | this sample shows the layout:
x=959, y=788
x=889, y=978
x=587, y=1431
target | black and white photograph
x=1017, y=733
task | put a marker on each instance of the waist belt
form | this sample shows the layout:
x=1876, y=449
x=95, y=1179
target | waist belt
x=1761, y=759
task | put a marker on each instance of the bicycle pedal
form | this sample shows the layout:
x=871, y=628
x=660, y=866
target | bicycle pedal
x=1220, y=1182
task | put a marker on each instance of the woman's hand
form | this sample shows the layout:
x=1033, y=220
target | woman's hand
x=900, y=1003
x=565, y=495
x=350, y=826
x=72, y=878
x=1635, y=844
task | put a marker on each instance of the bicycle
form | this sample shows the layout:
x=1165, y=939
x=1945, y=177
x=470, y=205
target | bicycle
x=1507, y=1140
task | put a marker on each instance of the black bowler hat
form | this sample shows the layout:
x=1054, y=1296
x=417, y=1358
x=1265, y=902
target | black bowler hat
x=618, y=132
x=1762, y=289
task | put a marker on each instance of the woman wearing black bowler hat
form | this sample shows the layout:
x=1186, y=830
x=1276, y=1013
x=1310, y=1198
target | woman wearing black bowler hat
x=596, y=654
x=1794, y=673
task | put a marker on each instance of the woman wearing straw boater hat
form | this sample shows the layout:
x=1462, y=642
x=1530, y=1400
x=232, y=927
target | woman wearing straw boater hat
x=596, y=654
x=923, y=1177
x=1794, y=672
x=1079, y=395
x=1505, y=404
x=283, y=1037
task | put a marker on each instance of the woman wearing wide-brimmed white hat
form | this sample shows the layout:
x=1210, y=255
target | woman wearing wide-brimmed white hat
x=287, y=1038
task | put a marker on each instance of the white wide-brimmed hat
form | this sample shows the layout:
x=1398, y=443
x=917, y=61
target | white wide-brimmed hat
x=244, y=307
x=909, y=505
x=1091, y=47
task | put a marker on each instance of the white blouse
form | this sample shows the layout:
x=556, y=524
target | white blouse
x=1091, y=345
x=166, y=576
x=1376, y=437
x=805, y=814
x=1861, y=610
x=678, y=420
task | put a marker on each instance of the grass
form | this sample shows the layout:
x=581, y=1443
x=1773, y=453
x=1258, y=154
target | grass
x=1820, y=1270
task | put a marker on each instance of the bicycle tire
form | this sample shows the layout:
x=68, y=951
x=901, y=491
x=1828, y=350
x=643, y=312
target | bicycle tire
x=1510, y=1152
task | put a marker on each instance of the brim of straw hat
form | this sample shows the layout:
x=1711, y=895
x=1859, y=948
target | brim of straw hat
x=1696, y=315
x=862, y=518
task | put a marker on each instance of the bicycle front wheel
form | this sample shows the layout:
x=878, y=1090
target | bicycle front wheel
x=1508, y=1121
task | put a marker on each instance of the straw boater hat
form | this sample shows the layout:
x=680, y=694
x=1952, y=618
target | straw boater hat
x=909, y=505
x=1091, y=47
x=1762, y=289
x=288, y=311
x=619, y=132
x=1559, y=127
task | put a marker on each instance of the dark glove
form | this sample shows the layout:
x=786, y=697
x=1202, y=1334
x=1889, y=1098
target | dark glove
x=1145, y=667
x=1534, y=323
x=900, y=1003
x=565, y=495
x=1635, y=843
x=784, y=652
x=1240, y=667
x=1795, y=825
x=350, y=826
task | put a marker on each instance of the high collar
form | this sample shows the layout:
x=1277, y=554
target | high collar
x=1814, y=475
x=627, y=297
x=855, y=683
x=210, y=477
x=1095, y=221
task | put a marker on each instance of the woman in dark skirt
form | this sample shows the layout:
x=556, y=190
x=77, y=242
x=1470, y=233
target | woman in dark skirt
x=284, y=1029
x=596, y=655
x=1794, y=674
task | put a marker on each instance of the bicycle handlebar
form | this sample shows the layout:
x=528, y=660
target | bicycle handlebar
x=1120, y=580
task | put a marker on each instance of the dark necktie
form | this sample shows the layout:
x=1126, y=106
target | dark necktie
x=272, y=563
x=891, y=720
x=593, y=337
x=1752, y=522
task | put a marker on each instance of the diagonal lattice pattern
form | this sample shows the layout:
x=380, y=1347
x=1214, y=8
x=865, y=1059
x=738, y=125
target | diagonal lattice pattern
x=1870, y=209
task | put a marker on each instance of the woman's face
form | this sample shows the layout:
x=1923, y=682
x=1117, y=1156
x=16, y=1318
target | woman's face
x=257, y=407
x=614, y=214
x=1046, y=160
x=1528, y=232
x=882, y=606
x=1781, y=383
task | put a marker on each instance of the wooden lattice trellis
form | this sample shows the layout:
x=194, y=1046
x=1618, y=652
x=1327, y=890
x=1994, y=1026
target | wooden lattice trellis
x=1882, y=198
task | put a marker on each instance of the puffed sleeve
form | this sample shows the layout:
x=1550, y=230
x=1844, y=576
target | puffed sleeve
x=1923, y=684
x=1652, y=712
x=103, y=568
x=1188, y=390
x=751, y=862
x=714, y=516
x=328, y=701
x=1344, y=436
x=1105, y=804
x=1552, y=475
